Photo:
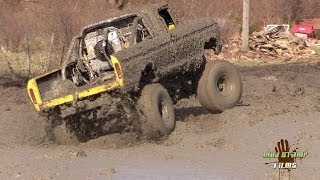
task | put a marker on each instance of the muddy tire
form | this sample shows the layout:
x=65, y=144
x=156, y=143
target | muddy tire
x=63, y=136
x=156, y=112
x=220, y=86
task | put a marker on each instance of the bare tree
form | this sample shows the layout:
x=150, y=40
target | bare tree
x=245, y=25
x=116, y=3
x=28, y=56
x=296, y=11
x=48, y=62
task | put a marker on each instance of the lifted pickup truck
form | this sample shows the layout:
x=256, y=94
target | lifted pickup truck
x=124, y=74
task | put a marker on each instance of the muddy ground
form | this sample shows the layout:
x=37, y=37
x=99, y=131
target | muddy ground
x=279, y=101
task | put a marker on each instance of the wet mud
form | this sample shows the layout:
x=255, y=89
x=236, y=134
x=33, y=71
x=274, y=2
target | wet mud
x=268, y=90
x=279, y=101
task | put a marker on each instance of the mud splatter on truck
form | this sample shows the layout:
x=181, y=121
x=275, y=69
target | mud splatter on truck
x=125, y=74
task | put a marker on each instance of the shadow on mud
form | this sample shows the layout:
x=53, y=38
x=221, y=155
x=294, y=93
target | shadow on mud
x=184, y=112
x=19, y=82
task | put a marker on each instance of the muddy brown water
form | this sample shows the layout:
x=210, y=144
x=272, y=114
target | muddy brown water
x=279, y=102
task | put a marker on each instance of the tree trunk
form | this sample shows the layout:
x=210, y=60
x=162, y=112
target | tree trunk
x=245, y=25
x=48, y=63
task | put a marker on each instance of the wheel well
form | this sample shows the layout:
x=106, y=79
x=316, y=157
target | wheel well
x=147, y=75
x=179, y=83
x=214, y=44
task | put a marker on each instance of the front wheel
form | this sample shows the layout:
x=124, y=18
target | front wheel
x=220, y=86
x=156, y=112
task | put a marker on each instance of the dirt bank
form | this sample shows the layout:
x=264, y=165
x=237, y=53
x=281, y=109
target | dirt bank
x=279, y=101
x=19, y=123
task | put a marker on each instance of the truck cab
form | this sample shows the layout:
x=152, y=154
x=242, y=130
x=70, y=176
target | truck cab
x=90, y=65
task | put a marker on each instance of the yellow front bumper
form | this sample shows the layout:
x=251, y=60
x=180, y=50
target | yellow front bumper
x=39, y=104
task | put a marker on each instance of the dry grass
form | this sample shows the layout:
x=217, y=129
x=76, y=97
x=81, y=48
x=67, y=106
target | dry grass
x=16, y=62
x=249, y=63
x=316, y=49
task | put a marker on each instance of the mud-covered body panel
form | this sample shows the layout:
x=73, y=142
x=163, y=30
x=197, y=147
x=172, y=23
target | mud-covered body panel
x=179, y=50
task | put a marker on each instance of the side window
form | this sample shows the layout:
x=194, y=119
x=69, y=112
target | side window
x=164, y=13
x=142, y=32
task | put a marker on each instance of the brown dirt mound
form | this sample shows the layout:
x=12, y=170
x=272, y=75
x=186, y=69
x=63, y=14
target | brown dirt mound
x=19, y=122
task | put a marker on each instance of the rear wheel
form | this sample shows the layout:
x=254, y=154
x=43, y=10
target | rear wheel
x=220, y=86
x=156, y=112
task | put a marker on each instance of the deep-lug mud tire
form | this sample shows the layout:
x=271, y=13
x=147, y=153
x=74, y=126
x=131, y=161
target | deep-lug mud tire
x=220, y=86
x=156, y=112
x=63, y=136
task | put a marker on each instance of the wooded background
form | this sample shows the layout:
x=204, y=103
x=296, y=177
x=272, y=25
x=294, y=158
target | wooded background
x=35, y=21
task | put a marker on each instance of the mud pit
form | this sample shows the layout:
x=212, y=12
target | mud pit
x=279, y=101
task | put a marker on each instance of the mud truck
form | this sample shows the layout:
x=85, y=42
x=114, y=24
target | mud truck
x=126, y=73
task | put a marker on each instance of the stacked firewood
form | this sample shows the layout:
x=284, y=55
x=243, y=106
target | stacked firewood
x=278, y=43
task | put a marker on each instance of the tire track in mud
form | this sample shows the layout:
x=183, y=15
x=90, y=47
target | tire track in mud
x=269, y=90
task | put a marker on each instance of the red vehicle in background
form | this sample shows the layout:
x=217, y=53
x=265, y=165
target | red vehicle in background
x=304, y=29
x=311, y=27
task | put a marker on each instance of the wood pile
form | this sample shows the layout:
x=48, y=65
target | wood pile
x=278, y=43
